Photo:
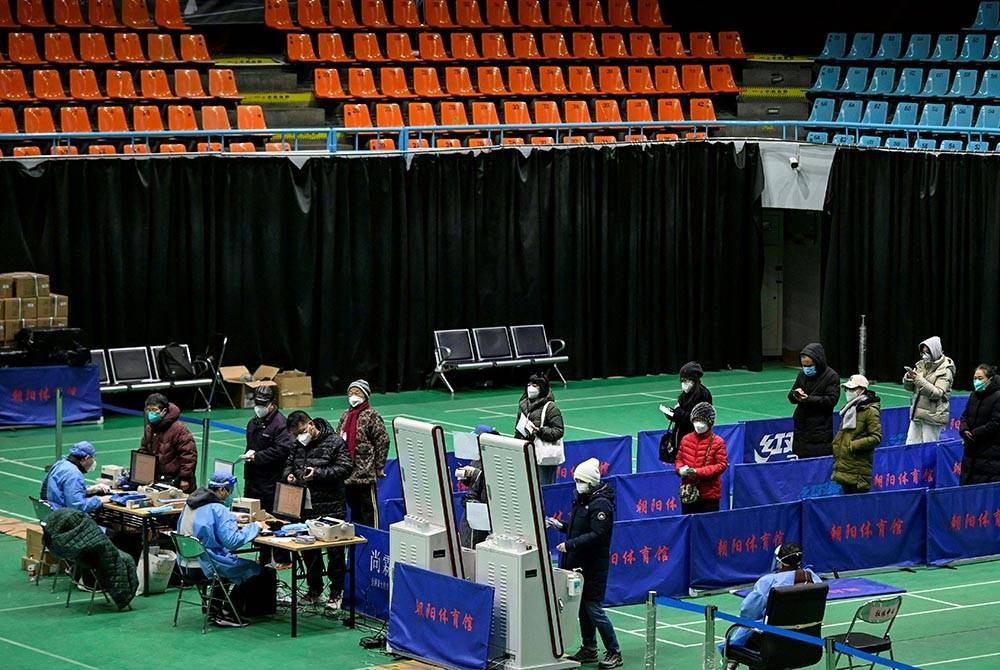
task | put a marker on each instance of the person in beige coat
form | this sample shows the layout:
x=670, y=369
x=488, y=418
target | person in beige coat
x=930, y=383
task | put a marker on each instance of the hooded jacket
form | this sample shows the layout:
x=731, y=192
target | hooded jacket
x=854, y=449
x=371, y=446
x=206, y=518
x=687, y=401
x=327, y=455
x=813, y=417
x=271, y=442
x=706, y=453
x=981, y=457
x=173, y=445
x=588, y=539
x=932, y=387
x=553, y=429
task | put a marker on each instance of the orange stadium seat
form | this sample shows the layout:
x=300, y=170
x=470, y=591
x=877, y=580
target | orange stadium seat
x=356, y=115
x=111, y=119
x=405, y=15
x=136, y=148
x=399, y=48
x=495, y=47
x=59, y=49
x=693, y=79
x=581, y=80
x=515, y=112
x=21, y=152
x=194, y=49
x=458, y=82
x=560, y=13
x=65, y=150
x=128, y=48
x=155, y=85
x=484, y=114
x=666, y=79
x=38, y=120
x=94, y=48
x=591, y=13
x=426, y=84
x=187, y=85
x=13, y=87
x=490, y=80
x=463, y=47
x=453, y=114
x=513, y=140
x=669, y=109
x=731, y=45
x=66, y=13
x=649, y=14
x=721, y=78
x=546, y=111
x=640, y=45
x=554, y=46
x=607, y=111
x=610, y=80
x=135, y=15
x=525, y=47
x=120, y=85
x=178, y=148
x=585, y=46
x=311, y=15
x=520, y=81
x=447, y=143
x=330, y=48
x=101, y=149
x=74, y=120
x=498, y=14
x=342, y=14
x=421, y=143
x=640, y=82
x=242, y=147
x=278, y=15
x=222, y=84
x=83, y=85
x=146, y=118
x=250, y=117
x=102, y=13
x=326, y=84
x=420, y=114
x=574, y=139
x=300, y=48
x=432, y=47
x=613, y=46
x=21, y=49
x=181, y=117
x=160, y=47
x=382, y=144
x=8, y=122
x=215, y=117
x=551, y=81
x=169, y=15
x=436, y=14
x=366, y=48
x=701, y=45
x=31, y=14
x=529, y=14
x=361, y=83
x=48, y=86
x=543, y=140
x=671, y=46
x=620, y=14
x=605, y=139
x=393, y=80
x=277, y=146
x=702, y=109
x=638, y=110
x=6, y=17
x=388, y=115
x=468, y=14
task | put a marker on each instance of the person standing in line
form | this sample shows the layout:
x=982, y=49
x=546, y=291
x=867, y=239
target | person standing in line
x=930, y=382
x=860, y=432
x=692, y=393
x=539, y=416
x=980, y=429
x=166, y=437
x=701, y=460
x=363, y=429
x=815, y=393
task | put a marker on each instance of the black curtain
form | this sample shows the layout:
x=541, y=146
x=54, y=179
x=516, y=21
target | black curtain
x=641, y=258
x=912, y=242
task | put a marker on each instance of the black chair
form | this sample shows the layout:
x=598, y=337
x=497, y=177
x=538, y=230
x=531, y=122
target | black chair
x=453, y=351
x=208, y=364
x=531, y=344
x=798, y=608
x=877, y=612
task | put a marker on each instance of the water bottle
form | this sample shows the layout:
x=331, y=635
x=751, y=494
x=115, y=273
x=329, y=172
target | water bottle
x=32, y=568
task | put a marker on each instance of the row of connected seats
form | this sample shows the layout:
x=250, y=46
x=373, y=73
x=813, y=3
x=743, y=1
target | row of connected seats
x=145, y=119
x=135, y=14
x=154, y=85
x=492, y=46
x=60, y=48
x=876, y=142
x=910, y=83
x=921, y=47
x=987, y=16
x=521, y=81
x=931, y=114
x=133, y=148
x=467, y=14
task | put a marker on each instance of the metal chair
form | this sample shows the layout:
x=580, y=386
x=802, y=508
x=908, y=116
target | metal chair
x=79, y=574
x=42, y=511
x=208, y=364
x=190, y=548
x=876, y=612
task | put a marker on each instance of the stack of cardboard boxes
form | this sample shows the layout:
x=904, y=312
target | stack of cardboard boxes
x=293, y=388
x=33, y=553
x=26, y=302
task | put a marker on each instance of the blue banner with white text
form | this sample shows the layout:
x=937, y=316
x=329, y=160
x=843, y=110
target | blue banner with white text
x=28, y=394
x=372, y=570
x=439, y=618
x=963, y=522
x=768, y=440
x=649, y=555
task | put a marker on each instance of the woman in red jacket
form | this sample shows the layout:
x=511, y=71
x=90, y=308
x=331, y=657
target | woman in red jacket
x=701, y=461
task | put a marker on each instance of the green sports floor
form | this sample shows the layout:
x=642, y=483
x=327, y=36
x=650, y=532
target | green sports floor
x=950, y=617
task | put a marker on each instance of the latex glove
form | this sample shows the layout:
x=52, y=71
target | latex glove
x=98, y=489
x=552, y=522
x=667, y=412
x=249, y=455
x=561, y=547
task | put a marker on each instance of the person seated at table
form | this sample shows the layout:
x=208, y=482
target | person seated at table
x=166, y=437
x=65, y=486
x=206, y=516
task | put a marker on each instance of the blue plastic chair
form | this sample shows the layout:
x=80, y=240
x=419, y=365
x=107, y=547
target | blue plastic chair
x=952, y=145
x=872, y=141
x=932, y=114
x=822, y=110
x=889, y=47
x=977, y=146
x=911, y=82
x=964, y=84
x=988, y=117
x=828, y=79
x=905, y=114
x=925, y=143
x=994, y=55
x=855, y=81
x=882, y=81
x=919, y=47
x=973, y=48
x=835, y=47
x=876, y=112
x=850, y=111
x=862, y=47
x=936, y=84
x=816, y=137
x=987, y=16
x=960, y=116
x=897, y=143
x=946, y=48
x=989, y=86
x=843, y=138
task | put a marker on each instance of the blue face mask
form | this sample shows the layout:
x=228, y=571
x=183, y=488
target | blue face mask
x=979, y=384
x=809, y=370
x=153, y=416
x=228, y=502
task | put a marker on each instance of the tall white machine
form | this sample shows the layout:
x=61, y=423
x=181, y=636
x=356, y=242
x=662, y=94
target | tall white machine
x=535, y=606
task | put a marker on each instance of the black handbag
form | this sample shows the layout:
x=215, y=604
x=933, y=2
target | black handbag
x=668, y=446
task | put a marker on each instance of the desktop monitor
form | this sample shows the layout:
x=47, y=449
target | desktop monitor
x=289, y=500
x=130, y=364
x=142, y=470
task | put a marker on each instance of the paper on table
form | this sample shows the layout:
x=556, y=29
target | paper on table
x=478, y=515
x=522, y=424
x=466, y=445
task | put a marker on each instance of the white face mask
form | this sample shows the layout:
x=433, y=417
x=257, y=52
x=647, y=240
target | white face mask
x=532, y=392
x=355, y=400
x=687, y=386
x=582, y=488
x=854, y=393
x=925, y=356
x=92, y=466
x=260, y=411
x=700, y=427
x=304, y=438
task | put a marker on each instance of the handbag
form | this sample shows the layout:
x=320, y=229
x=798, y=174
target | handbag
x=668, y=446
x=690, y=493
x=548, y=453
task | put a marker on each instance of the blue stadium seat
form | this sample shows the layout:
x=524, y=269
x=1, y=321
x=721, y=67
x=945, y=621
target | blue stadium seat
x=910, y=83
x=822, y=110
x=905, y=114
x=844, y=138
x=925, y=143
x=919, y=47
x=978, y=146
x=989, y=86
x=987, y=17
x=850, y=111
x=897, y=143
x=828, y=79
x=873, y=141
x=952, y=145
x=932, y=114
x=946, y=48
x=988, y=117
x=835, y=47
x=882, y=81
x=855, y=81
x=936, y=84
x=817, y=137
x=876, y=112
x=862, y=47
x=973, y=48
x=960, y=116
x=964, y=84
x=889, y=47
x=994, y=55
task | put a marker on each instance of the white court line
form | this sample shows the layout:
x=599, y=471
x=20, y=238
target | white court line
x=26, y=465
x=746, y=411
x=31, y=607
x=47, y=653
x=935, y=600
x=959, y=660
x=19, y=516
x=27, y=479
x=496, y=414
x=51, y=445
x=973, y=585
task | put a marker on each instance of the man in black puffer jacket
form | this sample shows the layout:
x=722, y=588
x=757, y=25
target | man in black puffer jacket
x=815, y=393
x=980, y=429
x=320, y=462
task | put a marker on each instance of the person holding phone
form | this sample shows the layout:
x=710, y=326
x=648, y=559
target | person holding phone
x=815, y=393
x=930, y=382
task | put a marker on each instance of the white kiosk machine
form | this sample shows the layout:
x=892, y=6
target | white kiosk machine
x=428, y=535
x=535, y=606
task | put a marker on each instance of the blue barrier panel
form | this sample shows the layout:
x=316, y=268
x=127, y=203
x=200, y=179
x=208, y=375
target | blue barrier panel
x=958, y=403
x=389, y=487
x=963, y=522
x=767, y=440
x=782, y=481
x=647, y=455
x=649, y=555
x=646, y=495
x=28, y=395
x=904, y=467
x=615, y=454
x=372, y=569
x=948, y=466
x=870, y=530
x=557, y=501
x=737, y=546
x=390, y=511
x=440, y=618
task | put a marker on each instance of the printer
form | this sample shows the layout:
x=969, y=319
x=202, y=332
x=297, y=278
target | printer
x=329, y=528
x=249, y=506
x=161, y=493
x=111, y=475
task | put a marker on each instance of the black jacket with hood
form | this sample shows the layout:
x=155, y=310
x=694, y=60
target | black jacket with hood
x=327, y=455
x=272, y=442
x=687, y=401
x=588, y=539
x=981, y=456
x=813, y=417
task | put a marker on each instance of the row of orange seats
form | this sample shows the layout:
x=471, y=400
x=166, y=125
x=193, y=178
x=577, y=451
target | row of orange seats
x=388, y=144
x=119, y=85
x=145, y=118
x=437, y=14
x=493, y=46
x=32, y=151
x=100, y=14
x=93, y=48
x=421, y=114
x=520, y=81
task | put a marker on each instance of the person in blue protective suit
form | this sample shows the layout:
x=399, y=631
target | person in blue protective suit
x=65, y=485
x=788, y=570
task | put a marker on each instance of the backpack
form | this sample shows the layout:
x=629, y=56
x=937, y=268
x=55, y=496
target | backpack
x=174, y=364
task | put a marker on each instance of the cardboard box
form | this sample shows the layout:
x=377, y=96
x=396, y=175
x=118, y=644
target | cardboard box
x=6, y=287
x=33, y=541
x=243, y=383
x=13, y=327
x=294, y=389
x=60, y=306
x=29, y=308
x=44, y=308
x=49, y=567
x=59, y=322
x=28, y=284
x=10, y=308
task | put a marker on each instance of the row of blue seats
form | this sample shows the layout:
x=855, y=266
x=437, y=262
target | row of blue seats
x=931, y=114
x=987, y=16
x=875, y=142
x=911, y=83
x=947, y=48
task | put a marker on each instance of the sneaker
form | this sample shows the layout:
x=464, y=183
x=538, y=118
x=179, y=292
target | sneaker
x=585, y=655
x=335, y=603
x=282, y=566
x=312, y=599
x=732, y=665
x=228, y=621
x=612, y=659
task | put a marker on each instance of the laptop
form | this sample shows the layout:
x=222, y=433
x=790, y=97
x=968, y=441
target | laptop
x=142, y=469
x=219, y=465
x=289, y=502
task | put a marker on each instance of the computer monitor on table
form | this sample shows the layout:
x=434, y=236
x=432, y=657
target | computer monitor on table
x=142, y=469
x=289, y=501
x=219, y=465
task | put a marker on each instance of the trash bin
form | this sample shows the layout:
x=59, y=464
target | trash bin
x=161, y=566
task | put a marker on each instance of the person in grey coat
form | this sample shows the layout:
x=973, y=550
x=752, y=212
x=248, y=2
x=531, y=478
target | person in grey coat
x=930, y=382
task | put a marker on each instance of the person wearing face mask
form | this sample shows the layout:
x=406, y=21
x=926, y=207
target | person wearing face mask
x=930, y=382
x=319, y=461
x=363, y=429
x=65, y=485
x=692, y=393
x=815, y=393
x=588, y=549
x=701, y=460
x=166, y=437
x=860, y=432
x=979, y=429
x=538, y=416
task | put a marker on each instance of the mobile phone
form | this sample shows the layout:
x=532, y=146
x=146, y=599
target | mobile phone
x=908, y=368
